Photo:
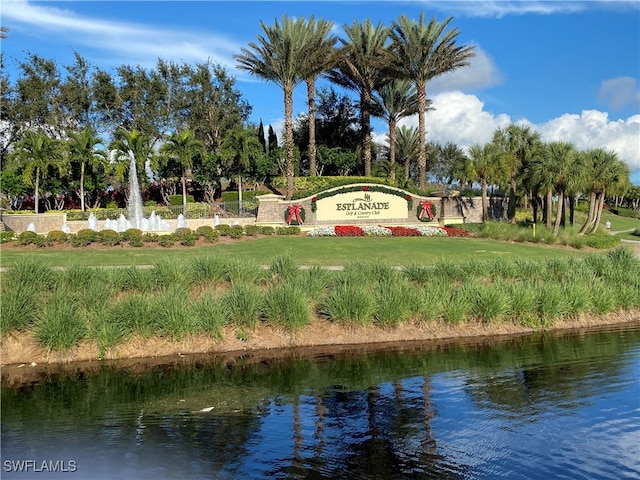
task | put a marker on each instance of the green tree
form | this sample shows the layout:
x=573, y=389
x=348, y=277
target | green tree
x=395, y=100
x=517, y=145
x=240, y=152
x=407, y=148
x=278, y=57
x=36, y=152
x=361, y=68
x=182, y=147
x=83, y=148
x=488, y=169
x=421, y=53
x=127, y=144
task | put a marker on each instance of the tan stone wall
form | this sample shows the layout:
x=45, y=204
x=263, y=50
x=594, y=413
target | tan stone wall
x=43, y=222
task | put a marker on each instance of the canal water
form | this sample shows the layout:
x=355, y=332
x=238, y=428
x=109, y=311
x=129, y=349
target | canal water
x=545, y=406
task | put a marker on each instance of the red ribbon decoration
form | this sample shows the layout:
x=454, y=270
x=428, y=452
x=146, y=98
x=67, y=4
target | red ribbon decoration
x=294, y=210
x=426, y=208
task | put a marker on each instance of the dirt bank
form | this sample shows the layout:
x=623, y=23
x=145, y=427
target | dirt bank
x=23, y=360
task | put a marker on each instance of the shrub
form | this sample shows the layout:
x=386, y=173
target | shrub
x=59, y=325
x=267, y=230
x=186, y=236
x=136, y=242
x=286, y=305
x=223, y=229
x=626, y=212
x=176, y=200
x=7, y=237
x=204, y=230
x=166, y=241
x=236, y=231
x=150, y=237
x=84, y=237
x=57, y=236
x=27, y=238
x=292, y=230
x=131, y=233
x=251, y=230
x=109, y=237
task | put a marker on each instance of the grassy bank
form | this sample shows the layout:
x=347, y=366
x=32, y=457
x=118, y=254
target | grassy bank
x=219, y=295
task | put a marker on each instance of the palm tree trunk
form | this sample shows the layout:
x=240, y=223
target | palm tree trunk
x=313, y=170
x=485, y=200
x=422, y=141
x=548, y=214
x=392, y=149
x=511, y=212
x=184, y=194
x=37, y=195
x=288, y=138
x=598, y=212
x=559, y=212
x=365, y=115
x=82, y=186
x=590, y=215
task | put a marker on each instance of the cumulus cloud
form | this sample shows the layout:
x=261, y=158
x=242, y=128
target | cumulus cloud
x=620, y=92
x=462, y=119
x=124, y=43
x=480, y=73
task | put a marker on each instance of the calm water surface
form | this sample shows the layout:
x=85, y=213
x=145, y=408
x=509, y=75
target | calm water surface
x=539, y=407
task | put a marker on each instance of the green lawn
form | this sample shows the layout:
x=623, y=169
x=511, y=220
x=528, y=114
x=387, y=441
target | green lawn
x=323, y=251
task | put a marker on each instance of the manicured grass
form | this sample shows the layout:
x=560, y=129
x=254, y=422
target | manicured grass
x=304, y=250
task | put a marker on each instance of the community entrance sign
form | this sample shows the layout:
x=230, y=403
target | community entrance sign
x=361, y=205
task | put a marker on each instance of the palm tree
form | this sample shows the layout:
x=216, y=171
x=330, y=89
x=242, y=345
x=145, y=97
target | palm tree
x=361, y=68
x=319, y=57
x=278, y=57
x=37, y=152
x=127, y=144
x=603, y=170
x=82, y=146
x=562, y=157
x=421, y=53
x=238, y=150
x=488, y=169
x=407, y=147
x=517, y=144
x=395, y=100
x=183, y=147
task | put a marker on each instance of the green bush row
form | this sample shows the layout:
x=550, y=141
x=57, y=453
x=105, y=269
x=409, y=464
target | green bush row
x=194, y=210
x=107, y=306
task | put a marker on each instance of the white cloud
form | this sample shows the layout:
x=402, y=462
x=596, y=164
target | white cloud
x=125, y=43
x=502, y=8
x=619, y=92
x=480, y=73
x=461, y=118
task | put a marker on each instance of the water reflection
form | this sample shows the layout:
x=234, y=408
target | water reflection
x=537, y=407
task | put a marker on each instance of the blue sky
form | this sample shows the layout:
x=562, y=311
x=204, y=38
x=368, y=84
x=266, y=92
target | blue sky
x=569, y=69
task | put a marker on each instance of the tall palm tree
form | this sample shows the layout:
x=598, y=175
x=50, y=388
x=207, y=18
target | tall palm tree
x=407, y=147
x=488, y=169
x=278, y=58
x=517, y=144
x=238, y=150
x=37, y=152
x=183, y=147
x=320, y=56
x=603, y=170
x=562, y=157
x=422, y=52
x=83, y=147
x=395, y=100
x=361, y=68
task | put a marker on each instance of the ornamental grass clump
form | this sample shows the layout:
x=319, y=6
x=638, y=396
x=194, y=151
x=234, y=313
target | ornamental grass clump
x=136, y=313
x=392, y=307
x=18, y=308
x=210, y=314
x=418, y=273
x=205, y=269
x=244, y=304
x=522, y=297
x=551, y=302
x=350, y=304
x=106, y=329
x=491, y=303
x=283, y=267
x=173, y=315
x=286, y=305
x=170, y=272
x=58, y=325
x=313, y=282
x=30, y=274
x=245, y=271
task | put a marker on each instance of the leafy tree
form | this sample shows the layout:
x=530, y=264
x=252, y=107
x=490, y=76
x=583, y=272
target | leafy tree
x=83, y=148
x=182, y=147
x=36, y=152
x=240, y=152
x=421, y=53
x=361, y=68
x=407, y=147
x=395, y=100
x=447, y=157
x=336, y=161
x=278, y=57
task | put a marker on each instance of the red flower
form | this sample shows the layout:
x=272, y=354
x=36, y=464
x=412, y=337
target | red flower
x=404, y=232
x=455, y=232
x=348, y=231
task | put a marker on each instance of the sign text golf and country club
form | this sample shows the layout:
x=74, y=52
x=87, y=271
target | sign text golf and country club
x=363, y=205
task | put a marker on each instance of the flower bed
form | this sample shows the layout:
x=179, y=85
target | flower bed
x=376, y=230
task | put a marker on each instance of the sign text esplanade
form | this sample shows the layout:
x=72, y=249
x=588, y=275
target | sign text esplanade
x=363, y=205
